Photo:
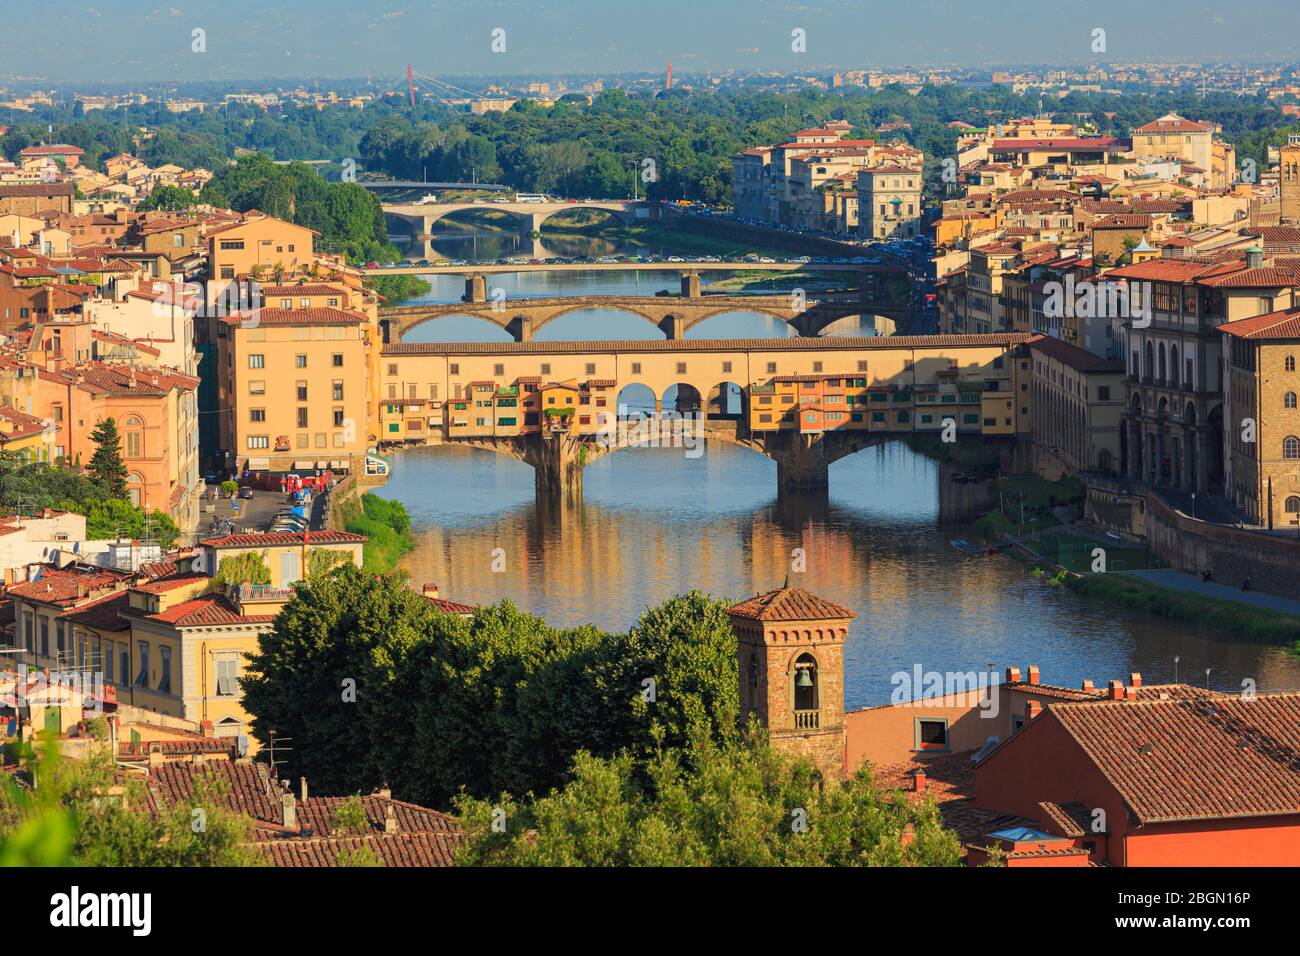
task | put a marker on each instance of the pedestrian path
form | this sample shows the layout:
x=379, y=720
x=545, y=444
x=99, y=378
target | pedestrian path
x=1212, y=589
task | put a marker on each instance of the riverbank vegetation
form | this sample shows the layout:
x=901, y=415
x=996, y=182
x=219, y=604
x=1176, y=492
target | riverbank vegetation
x=1027, y=505
x=1260, y=625
x=387, y=528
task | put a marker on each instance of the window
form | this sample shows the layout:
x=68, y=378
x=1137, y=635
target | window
x=1288, y=400
x=45, y=636
x=454, y=368
x=546, y=368
x=338, y=391
x=1290, y=363
x=1291, y=447
x=142, y=675
x=681, y=368
x=1292, y=505
x=862, y=365
x=300, y=361
x=771, y=368
x=726, y=366
x=124, y=664
x=134, y=444
x=805, y=689
x=1103, y=393
x=232, y=244
x=165, y=662
x=302, y=391
x=636, y=368
x=591, y=368
x=302, y=418
x=257, y=388
x=227, y=668
x=337, y=359
x=931, y=734
x=259, y=441
x=338, y=418
x=256, y=360
x=498, y=369
x=817, y=366
x=257, y=414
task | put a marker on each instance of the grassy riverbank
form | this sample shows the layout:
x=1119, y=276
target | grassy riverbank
x=1241, y=620
x=387, y=528
x=659, y=236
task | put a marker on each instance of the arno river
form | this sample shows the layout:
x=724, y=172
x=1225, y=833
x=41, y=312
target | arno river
x=655, y=522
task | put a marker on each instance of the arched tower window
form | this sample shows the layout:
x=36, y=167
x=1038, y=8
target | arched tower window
x=1288, y=400
x=1291, y=448
x=806, y=703
x=1292, y=505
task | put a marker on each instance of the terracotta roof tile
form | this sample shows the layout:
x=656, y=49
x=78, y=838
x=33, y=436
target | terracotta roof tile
x=1194, y=759
x=789, y=604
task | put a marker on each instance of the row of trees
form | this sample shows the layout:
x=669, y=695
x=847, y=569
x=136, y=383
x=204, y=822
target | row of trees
x=596, y=149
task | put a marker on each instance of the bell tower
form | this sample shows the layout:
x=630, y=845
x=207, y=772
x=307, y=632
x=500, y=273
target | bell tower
x=1289, y=180
x=790, y=652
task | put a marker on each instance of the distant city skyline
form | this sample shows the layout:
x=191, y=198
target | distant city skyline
x=89, y=42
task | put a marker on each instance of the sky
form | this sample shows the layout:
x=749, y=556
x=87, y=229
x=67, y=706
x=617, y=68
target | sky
x=125, y=41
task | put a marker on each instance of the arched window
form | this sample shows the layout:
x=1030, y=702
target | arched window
x=133, y=437
x=1291, y=447
x=805, y=692
x=1290, y=363
x=1288, y=400
x=1292, y=505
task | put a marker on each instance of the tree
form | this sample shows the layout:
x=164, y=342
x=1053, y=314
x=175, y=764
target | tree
x=503, y=701
x=247, y=568
x=169, y=198
x=106, y=468
x=710, y=803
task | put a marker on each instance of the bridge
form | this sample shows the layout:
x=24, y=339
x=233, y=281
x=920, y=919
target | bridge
x=421, y=217
x=675, y=315
x=488, y=268
x=915, y=385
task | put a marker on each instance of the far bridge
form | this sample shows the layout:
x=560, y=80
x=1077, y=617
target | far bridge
x=421, y=217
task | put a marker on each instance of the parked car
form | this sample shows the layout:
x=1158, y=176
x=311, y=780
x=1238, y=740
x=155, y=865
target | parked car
x=246, y=492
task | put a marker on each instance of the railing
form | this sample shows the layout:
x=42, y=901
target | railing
x=806, y=719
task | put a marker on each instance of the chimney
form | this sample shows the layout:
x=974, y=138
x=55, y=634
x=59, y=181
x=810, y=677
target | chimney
x=155, y=758
x=384, y=793
x=302, y=784
x=430, y=591
x=390, y=819
x=1115, y=690
x=1032, y=709
x=1254, y=258
x=918, y=779
x=1087, y=684
x=1132, y=692
x=1033, y=674
x=289, y=811
x=1135, y=679
x=1013, y=675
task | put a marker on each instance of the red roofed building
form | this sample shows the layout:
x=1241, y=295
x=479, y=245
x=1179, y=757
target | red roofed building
x=1174, y=782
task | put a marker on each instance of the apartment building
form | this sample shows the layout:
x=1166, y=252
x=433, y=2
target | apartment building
x=1263, y=461
x=889, y=202
x=293, y=387
x=1190, y=142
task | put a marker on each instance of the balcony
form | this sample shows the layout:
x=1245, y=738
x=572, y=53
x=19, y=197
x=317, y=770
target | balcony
x=807, y=719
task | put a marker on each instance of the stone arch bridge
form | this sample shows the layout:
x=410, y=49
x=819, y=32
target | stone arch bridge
x=675, y=315
x=421, y=217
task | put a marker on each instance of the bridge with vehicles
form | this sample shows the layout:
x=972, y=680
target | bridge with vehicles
x=697, y=376
x=420, y=218
x=668, y=265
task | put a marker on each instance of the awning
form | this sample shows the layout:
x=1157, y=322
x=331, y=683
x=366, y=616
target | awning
x=302, y=464
x=259, y=464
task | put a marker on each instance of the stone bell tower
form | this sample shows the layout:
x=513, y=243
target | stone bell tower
x=790, y=650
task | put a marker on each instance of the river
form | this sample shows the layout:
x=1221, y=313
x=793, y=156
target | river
x=655, y=522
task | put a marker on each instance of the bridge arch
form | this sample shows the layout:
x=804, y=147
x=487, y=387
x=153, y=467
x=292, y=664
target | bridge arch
x=726, y=400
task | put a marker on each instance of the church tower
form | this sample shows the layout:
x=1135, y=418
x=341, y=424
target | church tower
x=790, y=651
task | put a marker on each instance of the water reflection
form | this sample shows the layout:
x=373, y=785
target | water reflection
x=654, y=524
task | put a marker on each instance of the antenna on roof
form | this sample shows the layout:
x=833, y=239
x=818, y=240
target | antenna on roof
x=277, y=744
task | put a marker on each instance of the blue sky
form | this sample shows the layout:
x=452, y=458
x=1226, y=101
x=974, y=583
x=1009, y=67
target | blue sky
x=126, y=40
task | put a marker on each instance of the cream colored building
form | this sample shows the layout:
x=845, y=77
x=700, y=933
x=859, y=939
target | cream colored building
x=889, y=202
